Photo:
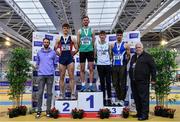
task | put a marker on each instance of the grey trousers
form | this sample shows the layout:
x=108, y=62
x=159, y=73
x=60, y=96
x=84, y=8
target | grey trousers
x=42, y=80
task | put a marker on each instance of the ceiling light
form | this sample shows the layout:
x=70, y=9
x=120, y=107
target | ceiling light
x=7, y=38
x=7, y=43
x=163, y=42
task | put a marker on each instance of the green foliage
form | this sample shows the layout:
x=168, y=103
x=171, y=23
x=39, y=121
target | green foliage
x=165, y=63
x=18, y=68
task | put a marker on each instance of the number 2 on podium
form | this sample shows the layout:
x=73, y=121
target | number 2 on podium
x=66, y=108
x=91, y=99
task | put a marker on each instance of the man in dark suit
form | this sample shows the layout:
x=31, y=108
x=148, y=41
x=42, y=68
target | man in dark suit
x=142, y=71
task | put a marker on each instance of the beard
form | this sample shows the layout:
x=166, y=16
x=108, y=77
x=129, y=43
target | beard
x=46, y=46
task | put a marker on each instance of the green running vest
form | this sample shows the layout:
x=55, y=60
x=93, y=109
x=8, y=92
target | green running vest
x=86, y=44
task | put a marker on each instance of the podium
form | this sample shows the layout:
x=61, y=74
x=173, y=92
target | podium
x=65, y=106
x=90, y=102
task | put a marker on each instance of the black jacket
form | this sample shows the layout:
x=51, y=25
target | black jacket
x=144, y=67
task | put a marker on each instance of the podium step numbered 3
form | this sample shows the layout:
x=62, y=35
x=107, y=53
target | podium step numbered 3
x=88, y=101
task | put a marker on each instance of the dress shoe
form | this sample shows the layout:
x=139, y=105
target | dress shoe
x=142, y=118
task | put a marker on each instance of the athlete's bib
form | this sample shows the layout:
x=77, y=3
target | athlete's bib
x=65, y=47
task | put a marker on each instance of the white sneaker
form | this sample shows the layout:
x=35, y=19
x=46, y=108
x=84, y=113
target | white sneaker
x=119, y=102
x=61, y=97
x=73, y=97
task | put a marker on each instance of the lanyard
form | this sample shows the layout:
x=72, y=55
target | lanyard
x=86, y=31
x=102, y=45
x=118, y=47
x=65, y=39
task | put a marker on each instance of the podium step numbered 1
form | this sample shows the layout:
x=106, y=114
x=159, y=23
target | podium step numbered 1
x=88, y=101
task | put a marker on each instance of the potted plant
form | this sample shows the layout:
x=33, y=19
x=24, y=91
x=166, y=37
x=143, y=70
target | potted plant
x=17, y=74
x=104, y=113
x=171, y=113
x=165, y=63
x=77, y=113
x=125, y=112
x=54, y=113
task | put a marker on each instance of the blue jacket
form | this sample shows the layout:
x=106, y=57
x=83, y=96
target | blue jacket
x=46, y=62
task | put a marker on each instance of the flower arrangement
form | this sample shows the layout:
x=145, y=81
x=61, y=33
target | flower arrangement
x=22, y=110
x=104, y=113
x=171, y=113
x=14, y=112
x=158, y=110
x=77, y=113
x=125, y=112
x=54, y=113
x=164, y=112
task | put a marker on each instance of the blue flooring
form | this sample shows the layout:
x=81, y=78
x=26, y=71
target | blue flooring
x=10, y=103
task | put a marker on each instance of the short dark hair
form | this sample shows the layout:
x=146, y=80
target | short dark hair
x=46, y=39
x=65, y=25
x=85, y=17
x=119, y=31
x=102, y=32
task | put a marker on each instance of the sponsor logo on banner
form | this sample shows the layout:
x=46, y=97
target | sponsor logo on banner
x=35, y=88
x=77, y=60
x=38, y=37
x=57, y=88
x=38, y=43
x=57, y=73
x=67, y=94
x=77, y=73
x=133, y=35
x=45, y=95
x=112, y=38
x=67, y=80
x=78, y=87
x=35, y=73
x=50, y=37
x=35, y=58
x=4, y=83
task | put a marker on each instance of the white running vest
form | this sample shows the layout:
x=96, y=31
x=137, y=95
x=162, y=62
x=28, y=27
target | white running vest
x=103, y=57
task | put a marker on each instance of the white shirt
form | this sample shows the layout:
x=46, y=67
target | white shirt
x=102, y=51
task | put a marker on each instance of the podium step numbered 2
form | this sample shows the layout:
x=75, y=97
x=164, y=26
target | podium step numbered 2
x=88, y=101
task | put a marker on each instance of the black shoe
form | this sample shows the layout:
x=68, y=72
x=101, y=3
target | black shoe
x=48, y=114
x=38, y=115
x=142, y=118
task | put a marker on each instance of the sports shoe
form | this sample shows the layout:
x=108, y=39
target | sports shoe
x=61, y=96
x=91, y=88
x=83, y=88
x=73, y=97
